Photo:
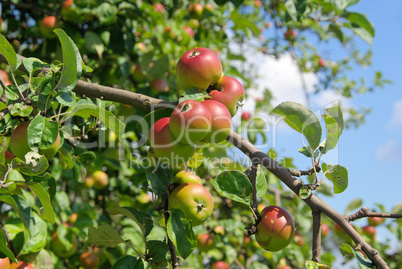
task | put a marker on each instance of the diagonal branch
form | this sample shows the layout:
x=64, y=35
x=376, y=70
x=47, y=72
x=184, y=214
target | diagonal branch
x=256, y=156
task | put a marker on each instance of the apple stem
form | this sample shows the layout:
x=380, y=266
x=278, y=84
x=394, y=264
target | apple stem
x=194, y=53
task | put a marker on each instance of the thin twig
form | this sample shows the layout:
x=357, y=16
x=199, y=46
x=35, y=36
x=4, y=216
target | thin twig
x=364, y=212
x=299, y=173
x=316, y=248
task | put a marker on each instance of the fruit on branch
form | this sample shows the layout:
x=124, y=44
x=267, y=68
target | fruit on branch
x=276, y=229
x=373, y=221
x=60, y=249
x=321, y=62
x=19, y=143
x=369, y=230
x=100, y=180
x=189, y=31
x=219, y=230
x=20, y=265
x=194, y=24
x=183, y=177
x=229, y=92
x=205, y=242
x=68, y=3
x=221, y=121
x=209, y=7
x=198, y=68
x=324, y=229
x=5, y=78
x=245, y=116
x=220, y=265
x=47, y=25
x=160, y=8
x=159, y=85
x=73, y=218
x=290, y=35
x=5, y=263
x=195, y=200
x=190, y=121
x=89, y=260
x=165, y=146
x=196, y=10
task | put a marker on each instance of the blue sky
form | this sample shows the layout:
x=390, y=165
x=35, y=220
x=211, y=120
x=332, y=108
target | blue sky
x=373, y=152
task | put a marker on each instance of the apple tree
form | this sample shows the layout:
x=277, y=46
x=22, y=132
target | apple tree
x=120, y=127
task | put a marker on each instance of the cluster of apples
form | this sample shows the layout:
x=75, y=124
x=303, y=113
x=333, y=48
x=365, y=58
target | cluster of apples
x=191, y=197
x=175, y=138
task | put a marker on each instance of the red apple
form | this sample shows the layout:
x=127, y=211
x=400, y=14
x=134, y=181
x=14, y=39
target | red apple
x=20, y=265
x=3, y=75
x=276, y=229
x=321, y=62
x=324, y=229
x=190, y=121
x=205, y=242
x=257, y=3
x=68, y=3
x=198, y=68
x=195, y=200
x=160, y=8
x=221, y=123
x=89, y=260
x=290, y=35
x=369, y=230
x=285, y=267
x=183, y=177
x=166, y=147
x=4, y=263
x=373, y=221
x=268, y=25
x=229, y=92
x=220, y=265
x=299, y=239
x=189, y=31
x=196, y=10
x=19, y=143
x=47, y=25
x=246, y=116
x=159, y=85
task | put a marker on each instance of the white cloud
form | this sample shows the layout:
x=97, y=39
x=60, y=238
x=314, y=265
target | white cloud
x=396, y=119
x=389, y=152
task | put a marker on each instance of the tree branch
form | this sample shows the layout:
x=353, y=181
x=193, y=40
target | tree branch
x=364, y=212
x=316, y=236
x=299, y=173
x=247, y=148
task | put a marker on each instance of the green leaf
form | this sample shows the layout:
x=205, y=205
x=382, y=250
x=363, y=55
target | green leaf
x=157, y=251
x=353, y=205
x=397, y=209
x=261, y=182
x=48, y=182
x=337, y=31
x=303, y=120
x=181, y=233
x=361, y=26
x=13, y=201
x=34, y=165
x=339, y=177
x=306, y=151
x=94, y=43
x=315, y=265
x=342, y=4
x=42, y=133
x=143, y=220
x=72, y=63
x=108, y=118
x=3, y=247
x=337, y=114
x=66, y=99
x=159, y=177
x=41, y=259
x=43, y=196
x=364, y=263
x=129, y=262
x=38, y=229
x=159, y=68
x=234, y=185
x=291, y=9
x=8, y=52
x=12, y=92
x=193, y=94
x=66, y=156
x=105, y=236
x=21, y=110
x=333, y=133
x=32, y=64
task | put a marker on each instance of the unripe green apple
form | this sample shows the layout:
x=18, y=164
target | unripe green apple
x=89, y=260
x=190, y=121
x=276, y=229
x=183, y=177
x=198, y=68
x=19, y=143
x=219, y=230
x=61, y=250
x=47, y=25
x=166, y=147
x=101, y=180
x=221, y=123
x=205, y=242
x=229, y=91
x=20, y=265
x=195, y=200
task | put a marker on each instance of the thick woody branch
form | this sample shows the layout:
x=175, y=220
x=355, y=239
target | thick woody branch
x=251, y=151
x=364, y=212
x=316, y=236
